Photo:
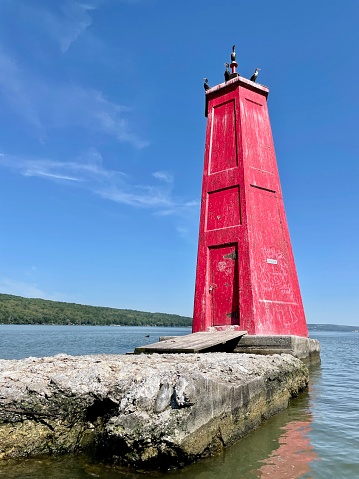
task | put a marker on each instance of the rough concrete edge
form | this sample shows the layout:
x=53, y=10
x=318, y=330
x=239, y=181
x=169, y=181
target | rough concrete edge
x=240, y=409
x=245, y=407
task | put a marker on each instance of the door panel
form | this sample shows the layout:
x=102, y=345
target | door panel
x=223, y=152
x=224, y=285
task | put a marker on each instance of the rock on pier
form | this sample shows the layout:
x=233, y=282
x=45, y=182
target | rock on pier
x=146, y=410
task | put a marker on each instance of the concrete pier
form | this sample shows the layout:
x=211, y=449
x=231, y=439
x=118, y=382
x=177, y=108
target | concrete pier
x=141, y=410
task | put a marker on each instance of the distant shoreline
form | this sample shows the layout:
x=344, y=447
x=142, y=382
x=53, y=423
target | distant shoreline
x=333, y=327
x=321, y=328
x=36, y=311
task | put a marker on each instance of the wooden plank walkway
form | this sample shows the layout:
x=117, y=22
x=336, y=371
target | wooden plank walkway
x=195, y=343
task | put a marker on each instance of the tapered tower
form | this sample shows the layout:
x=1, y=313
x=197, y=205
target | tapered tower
x=246, y=276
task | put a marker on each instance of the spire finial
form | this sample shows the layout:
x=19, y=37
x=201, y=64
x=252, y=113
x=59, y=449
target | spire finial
x=233, y=64
x=233, y=54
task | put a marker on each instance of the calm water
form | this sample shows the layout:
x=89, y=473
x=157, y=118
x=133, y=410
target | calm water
x=316, y=437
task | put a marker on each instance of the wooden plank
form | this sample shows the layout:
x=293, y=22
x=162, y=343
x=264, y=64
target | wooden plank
x=174, y=343
x=192, y=343
x=199, y=339
x=203, y=339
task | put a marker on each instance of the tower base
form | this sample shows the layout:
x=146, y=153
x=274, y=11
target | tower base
x=306, y=349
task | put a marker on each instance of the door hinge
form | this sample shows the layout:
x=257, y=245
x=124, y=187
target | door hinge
x=233, y=314
x=232, y=255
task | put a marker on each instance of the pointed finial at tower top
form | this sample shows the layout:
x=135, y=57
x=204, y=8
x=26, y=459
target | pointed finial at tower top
x=233, y=64
x=233, y=54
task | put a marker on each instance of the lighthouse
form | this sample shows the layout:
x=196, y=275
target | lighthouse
x=246, y=277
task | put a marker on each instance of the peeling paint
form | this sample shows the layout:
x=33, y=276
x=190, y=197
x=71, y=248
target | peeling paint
x=242, y=211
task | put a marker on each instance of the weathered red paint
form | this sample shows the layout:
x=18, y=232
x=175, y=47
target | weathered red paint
x=246, y=276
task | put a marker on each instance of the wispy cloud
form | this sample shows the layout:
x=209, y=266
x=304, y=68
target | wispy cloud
x=35, y=91
x=65, y=22
x=88, y=172
x=21, y=288
x=49, y=175
x=15, y=91
x=179, y=209
x=163, y=176
x=29, y=290
x=75, y=18
x=89, y=109
x=50, y=106
x=140, y=196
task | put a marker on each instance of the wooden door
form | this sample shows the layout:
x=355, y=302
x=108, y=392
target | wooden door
x=224, y=285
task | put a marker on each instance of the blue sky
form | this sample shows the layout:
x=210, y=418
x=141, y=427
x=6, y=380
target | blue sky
x=102, y=134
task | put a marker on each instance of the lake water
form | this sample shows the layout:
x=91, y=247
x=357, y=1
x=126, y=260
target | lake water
x=317, y=437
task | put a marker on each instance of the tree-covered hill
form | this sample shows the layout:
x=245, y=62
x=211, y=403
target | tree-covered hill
x=18, y=310
x=333, y=327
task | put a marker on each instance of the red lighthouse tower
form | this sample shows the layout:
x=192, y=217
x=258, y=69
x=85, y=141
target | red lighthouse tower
x=246, y=277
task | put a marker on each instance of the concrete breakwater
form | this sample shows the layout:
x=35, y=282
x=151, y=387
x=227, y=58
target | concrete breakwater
x=142, y=411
